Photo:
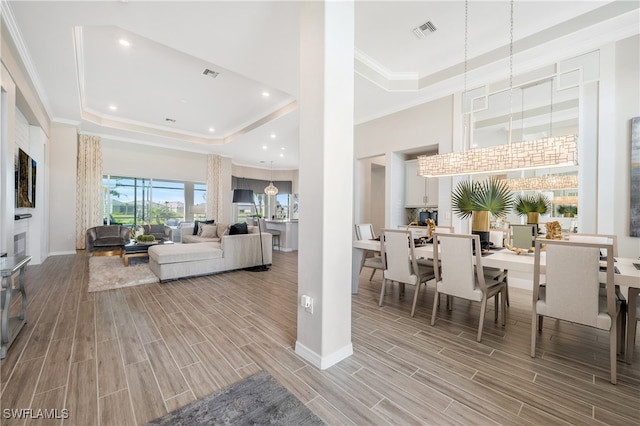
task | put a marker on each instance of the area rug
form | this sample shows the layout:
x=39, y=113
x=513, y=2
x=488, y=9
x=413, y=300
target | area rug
x=257, y=400
x=109, y=272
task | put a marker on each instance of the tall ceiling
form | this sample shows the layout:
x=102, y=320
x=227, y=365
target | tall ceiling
x=154, y=92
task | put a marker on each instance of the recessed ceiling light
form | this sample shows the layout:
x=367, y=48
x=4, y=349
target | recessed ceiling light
x=272, y=135
x=211, y=129
x=264, y=147
x=265, y=94
x=281, y=154
x=124, y=42
x=113, y=107
x=282, y=148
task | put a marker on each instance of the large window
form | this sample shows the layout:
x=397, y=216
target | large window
x=136, y=201
x=277, y=207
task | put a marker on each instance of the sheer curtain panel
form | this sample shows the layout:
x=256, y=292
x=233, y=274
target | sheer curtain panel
x=214, y=182
x=89, y=208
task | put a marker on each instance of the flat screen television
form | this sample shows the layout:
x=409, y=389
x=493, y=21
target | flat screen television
x=25, y=180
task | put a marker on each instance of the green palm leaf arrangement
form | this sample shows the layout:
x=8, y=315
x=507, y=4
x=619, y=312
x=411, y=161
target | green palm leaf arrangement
x=492, y=195
x=532, y=203
x=567, y=209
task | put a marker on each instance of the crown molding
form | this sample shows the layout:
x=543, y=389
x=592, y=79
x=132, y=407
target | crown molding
x=6, y=13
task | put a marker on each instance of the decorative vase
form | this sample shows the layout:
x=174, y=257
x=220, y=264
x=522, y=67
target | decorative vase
x=532, y=217
x=480, y=226
x=480, y=221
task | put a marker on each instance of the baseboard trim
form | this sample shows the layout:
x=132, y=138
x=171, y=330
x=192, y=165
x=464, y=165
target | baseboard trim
x=61, y=253
x=324, y=362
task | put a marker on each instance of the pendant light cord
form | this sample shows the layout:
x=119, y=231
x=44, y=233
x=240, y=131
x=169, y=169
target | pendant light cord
x=465, y=113
x=511, y=72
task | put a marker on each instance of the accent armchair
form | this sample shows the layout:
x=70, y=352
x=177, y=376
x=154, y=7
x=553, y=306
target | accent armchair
x=161, y=232
x=107, y=238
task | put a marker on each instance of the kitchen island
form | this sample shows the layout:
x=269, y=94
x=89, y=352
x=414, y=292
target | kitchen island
x=288, y=233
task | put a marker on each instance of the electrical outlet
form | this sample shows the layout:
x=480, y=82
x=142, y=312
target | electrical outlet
x=307, y=303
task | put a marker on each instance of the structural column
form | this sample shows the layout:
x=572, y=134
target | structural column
x=326, y=181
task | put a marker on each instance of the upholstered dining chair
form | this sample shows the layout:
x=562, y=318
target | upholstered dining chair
x=370, y=259
x=601, y=239
x=571, y=291
x=458, y=276
x=596, y=238
x=523, y=236
x=397, y=248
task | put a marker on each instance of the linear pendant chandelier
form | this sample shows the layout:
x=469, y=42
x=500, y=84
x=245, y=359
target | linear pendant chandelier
x=548, y=152
x=539, y=183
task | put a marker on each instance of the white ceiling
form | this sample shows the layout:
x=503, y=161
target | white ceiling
x=72, y=53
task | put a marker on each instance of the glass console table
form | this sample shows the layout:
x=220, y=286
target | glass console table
x=10, y=327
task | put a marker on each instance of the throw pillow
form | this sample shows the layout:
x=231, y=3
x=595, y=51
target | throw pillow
x=238, y=228
x=195, y=226
x=223, y=229
x=209, y=231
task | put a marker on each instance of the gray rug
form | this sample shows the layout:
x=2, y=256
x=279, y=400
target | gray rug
x=257, y=400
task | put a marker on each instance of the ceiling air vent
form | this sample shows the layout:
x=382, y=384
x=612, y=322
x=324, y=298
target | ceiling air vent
x=170, y=120
x=210, y=73
x=424, y=29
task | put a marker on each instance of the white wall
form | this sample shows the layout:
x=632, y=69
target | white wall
x=423, y=126
x=617, y=179
x=377, y=204
x=127, y=159
x=62, y=189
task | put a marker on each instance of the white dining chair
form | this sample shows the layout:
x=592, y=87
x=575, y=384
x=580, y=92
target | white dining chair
x=458, y=276
x=601, y=239
x=370, y=259
x=571, y=291
x=596, y=238
x=397, y=248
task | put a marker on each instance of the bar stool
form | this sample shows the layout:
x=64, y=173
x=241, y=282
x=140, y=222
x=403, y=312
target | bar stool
x=275, y=237
x=275, y=234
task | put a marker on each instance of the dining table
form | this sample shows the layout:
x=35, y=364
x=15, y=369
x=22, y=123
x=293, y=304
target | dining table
x=627, y=274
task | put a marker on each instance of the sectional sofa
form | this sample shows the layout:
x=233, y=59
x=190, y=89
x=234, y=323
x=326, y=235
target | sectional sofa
x=231, y=252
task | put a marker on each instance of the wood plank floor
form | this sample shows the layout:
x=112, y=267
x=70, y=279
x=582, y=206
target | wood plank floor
x=124, y=357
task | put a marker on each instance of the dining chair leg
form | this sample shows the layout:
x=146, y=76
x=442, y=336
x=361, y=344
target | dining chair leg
x=632, y=324
x=505, y=301
x=540, y=318
x=534, y=332
x=496, y=303
x=436, y=298
x=622, y=322
x=382, y=290
x=506, y=287
x=613, y=338
x=373, y=272
x=483, y=308
x=415, y=299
